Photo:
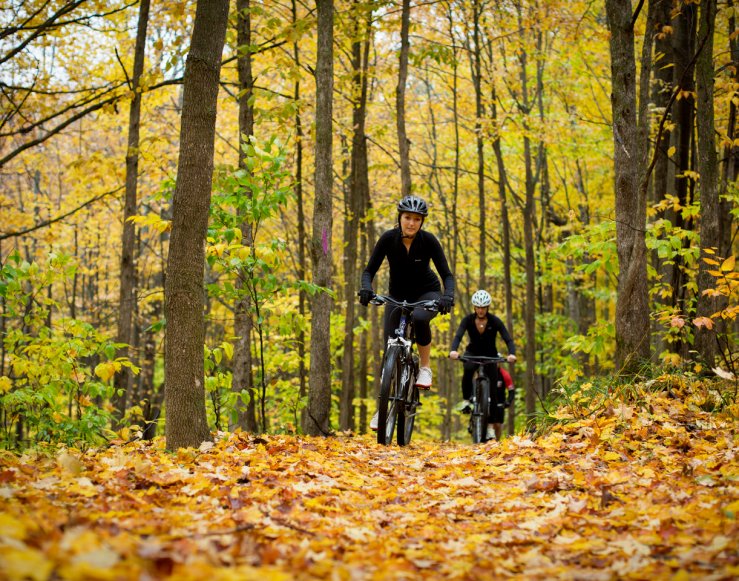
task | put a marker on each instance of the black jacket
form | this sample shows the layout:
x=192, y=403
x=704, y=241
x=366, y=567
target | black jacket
x=483, y=343
x=410, y=271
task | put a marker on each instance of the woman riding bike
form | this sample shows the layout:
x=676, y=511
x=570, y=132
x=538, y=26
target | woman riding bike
x=483, y=329
x=409, y=251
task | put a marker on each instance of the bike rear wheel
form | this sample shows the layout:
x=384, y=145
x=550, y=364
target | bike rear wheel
x=388, y=400
x=479, y=416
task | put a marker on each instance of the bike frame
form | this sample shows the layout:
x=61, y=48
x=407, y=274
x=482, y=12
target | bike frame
x=398, y=403
x=482, y=390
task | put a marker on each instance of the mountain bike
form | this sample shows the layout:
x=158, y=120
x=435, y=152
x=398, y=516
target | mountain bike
x=399, y=399
x=483, y=397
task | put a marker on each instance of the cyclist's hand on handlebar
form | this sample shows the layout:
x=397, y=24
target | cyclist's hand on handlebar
x=511, y=359
x=454, y=355
x=365, y=296
x=445, y=304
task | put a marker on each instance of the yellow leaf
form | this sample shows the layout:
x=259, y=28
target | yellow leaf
x=728, y=264
x=5, y=384
x=105, y=370
x=12, y=527
x=612, y=457
x=69, y=463
x=671, y=151
x=23, y=563
x=228, y=349
x=731, y=510
x=93, y=564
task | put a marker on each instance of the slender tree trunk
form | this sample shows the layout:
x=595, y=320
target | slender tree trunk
x=632, y=306
x=661, y=89
x=684, y=49
x=505, y=223
x=302, y=268
x=530, y=306
x=705, y=339
x=454, y=391
x=529, y=221
x=730, y=168
x=186, y=423
x=319, y=398
x=124, y=380
x=404, y=144
x=479, y=112
x=242, y=382
x=358, y=193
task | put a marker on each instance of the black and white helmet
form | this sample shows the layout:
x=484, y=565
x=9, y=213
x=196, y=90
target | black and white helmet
x=481, y=299
x=413, y=204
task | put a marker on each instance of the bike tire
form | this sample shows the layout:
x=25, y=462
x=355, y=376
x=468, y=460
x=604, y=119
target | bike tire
x=479, y=415
x=389, y=390
x=407, y=414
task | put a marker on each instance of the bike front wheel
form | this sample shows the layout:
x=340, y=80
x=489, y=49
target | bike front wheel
x=479, y=415
x=388, y=400
x=407, y=413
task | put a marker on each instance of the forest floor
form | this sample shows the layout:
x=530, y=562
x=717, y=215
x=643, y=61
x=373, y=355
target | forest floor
x=642, y=491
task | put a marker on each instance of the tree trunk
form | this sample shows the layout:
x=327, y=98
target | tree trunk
x=705, y=338
x=404, y=144
x=454, y=391
x=529, y=221
x=124, y=380
x=632, y=306
x=661, y=89
x=505, y=223
x=730, y=169
x=319, y=397
x=186, y=422
x=302, y=268
x=477, y=82
x=242, y=382
x=684, y=49
x=358, y=192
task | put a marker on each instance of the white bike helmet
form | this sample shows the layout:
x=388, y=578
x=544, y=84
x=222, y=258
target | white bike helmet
x=481, y=299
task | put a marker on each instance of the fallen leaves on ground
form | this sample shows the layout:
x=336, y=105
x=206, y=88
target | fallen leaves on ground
x=649, y=493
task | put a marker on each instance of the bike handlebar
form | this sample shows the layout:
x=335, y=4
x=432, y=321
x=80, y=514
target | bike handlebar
x=482, y=359
x=428, y=305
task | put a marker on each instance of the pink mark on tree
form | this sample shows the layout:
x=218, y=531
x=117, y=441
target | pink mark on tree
x=324, y=241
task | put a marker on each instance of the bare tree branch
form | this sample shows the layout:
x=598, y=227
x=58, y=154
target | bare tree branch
x=50, y=221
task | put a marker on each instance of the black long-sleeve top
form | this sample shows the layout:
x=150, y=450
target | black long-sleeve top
x=483, y=343
x=410, y=271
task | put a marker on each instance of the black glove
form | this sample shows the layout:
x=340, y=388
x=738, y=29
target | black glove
x=365, y=296
x=445, y=304
x=511, y=398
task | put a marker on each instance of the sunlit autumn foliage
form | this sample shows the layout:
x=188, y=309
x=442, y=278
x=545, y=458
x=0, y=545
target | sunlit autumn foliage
x=643, y=486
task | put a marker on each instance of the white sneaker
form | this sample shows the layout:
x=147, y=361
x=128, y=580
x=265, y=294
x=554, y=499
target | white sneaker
x=465, y=406
x=374, y=421
x=423, y=381
x=491, y=432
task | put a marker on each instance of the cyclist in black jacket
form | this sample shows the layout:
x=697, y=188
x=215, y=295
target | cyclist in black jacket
x=482, y=329
x=409, y=251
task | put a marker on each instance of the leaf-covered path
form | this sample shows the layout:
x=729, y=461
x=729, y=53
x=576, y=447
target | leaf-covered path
x=644, y=494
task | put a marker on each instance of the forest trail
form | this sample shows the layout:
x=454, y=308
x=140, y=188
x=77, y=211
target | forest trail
x=626, y=492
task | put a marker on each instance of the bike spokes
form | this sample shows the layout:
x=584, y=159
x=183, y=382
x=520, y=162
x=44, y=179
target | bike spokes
x=387, y=404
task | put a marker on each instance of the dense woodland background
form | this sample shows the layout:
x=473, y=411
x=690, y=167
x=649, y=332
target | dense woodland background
x=579, y=158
